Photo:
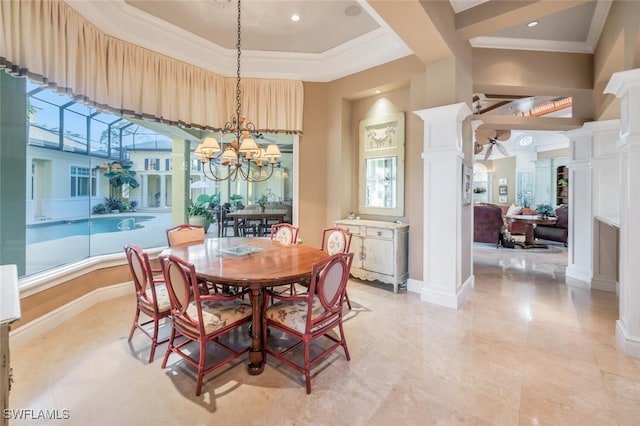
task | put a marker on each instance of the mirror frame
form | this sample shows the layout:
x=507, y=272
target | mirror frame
x=382, y=137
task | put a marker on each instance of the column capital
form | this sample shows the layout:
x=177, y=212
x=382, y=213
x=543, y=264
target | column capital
x=459, y=111
x=620, y=82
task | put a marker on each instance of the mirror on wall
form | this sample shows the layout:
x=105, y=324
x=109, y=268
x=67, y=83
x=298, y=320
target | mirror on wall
x=382, y=165
x=380, y=182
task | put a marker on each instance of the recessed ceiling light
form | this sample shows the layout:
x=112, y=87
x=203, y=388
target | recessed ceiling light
x=352, y=11
x=532, y=24
x=295, y=17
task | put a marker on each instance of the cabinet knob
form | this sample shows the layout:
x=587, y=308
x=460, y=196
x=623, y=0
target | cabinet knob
x=379, y=234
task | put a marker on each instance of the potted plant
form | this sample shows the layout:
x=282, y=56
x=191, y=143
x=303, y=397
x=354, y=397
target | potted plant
x=113, y=204
x=236, y=202
x=199, y=214
x=545, y=210
x=262, y=201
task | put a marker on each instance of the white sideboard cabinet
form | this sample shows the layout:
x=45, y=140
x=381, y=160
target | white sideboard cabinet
x=380, y=250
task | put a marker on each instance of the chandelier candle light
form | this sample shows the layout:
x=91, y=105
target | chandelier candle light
x=238, y=155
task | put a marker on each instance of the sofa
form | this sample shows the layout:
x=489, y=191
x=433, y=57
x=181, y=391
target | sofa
x=487, y=223
x=558, y=231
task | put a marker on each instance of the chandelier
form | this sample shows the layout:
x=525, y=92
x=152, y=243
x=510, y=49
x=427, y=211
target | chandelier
x=242, y=158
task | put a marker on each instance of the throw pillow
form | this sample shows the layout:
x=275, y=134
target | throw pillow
x=514, y=210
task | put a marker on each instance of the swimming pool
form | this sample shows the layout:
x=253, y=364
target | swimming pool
x=40, y=232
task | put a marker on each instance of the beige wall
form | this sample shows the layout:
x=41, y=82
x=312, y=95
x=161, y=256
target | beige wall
x=352, y=99
x=618, y=49
x=313, y=165
x=503, y=168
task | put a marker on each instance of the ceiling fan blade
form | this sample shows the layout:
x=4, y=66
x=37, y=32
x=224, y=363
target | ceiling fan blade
x=503, y=135
x=488, y=153
x=483, y=135
x=482, y=140
x=502, y=149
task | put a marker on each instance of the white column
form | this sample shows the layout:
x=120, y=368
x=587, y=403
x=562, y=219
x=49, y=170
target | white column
x=626, y=86
x=580, y=240
x=605, y=175
x=144, y=191
x=163, y=191
x=443, y=240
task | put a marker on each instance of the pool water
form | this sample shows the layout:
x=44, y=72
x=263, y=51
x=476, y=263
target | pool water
x=40, y=232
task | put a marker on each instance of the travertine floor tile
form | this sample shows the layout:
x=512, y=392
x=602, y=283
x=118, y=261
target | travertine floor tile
x=526, y=349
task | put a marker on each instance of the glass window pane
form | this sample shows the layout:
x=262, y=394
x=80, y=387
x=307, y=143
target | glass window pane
x=75, y=131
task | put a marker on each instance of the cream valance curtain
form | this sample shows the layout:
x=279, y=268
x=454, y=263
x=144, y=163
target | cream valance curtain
x=52, y=43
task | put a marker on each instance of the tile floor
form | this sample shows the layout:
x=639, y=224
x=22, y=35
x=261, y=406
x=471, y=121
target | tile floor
x=526, y=349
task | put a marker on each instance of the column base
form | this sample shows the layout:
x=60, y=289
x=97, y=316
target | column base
x=446, y=299
x=630, y=345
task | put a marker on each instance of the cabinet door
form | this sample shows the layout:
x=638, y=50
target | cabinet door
x=356, y=249
x=379, y=256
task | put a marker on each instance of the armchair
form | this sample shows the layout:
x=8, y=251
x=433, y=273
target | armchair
x=559, y=231
x=487, y=223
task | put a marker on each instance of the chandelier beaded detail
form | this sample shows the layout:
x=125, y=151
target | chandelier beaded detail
x=243, y=157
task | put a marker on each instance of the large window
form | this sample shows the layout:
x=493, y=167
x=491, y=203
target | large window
x=85, y=186
x=96, y=181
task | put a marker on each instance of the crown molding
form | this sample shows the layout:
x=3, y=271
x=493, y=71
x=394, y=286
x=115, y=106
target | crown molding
x=118, y=19
x=529, y=44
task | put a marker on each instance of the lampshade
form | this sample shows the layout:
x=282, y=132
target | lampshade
x=208, y=146
x=229, y=154
x=248, y=144
x=273, y=151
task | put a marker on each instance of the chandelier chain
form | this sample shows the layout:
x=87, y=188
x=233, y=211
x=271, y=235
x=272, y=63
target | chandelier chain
x=232, y=155
x=238, y=90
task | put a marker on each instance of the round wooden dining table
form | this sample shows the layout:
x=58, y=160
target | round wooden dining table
x=253, y=263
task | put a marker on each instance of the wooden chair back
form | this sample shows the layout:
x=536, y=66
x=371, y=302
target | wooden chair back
x=284, y=233
x=336, y=240
x=185, y=234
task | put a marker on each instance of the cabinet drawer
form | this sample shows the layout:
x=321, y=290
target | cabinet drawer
x=355, y=230
x=380, y=232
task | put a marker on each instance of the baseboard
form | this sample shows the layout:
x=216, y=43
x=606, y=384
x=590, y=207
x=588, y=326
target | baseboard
x=47, y=322
x=449, y=300
x=572, y=282
x=414, y=286
x=604, y=285
x=629, y=345
x=578, y=274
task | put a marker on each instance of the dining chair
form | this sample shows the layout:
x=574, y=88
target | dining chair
x=191, y=234
x=151, y=295
x=337, y=240
x=311, y=316
x=224, y=223
x=200, y=319
x=284, y=233
x=185, y=234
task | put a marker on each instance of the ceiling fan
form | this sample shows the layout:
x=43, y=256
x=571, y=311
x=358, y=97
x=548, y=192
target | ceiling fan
x=493, y=138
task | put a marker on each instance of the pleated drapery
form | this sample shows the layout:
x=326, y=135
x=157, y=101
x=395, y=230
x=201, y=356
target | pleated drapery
x=52, y=43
